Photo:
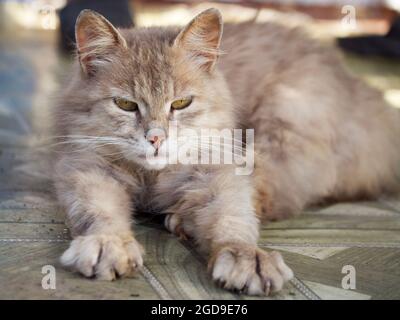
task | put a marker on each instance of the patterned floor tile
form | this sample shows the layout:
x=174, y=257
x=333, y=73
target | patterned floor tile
x=333, y=293
x=320, y=253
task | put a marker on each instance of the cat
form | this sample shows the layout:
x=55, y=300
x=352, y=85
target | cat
x=320, y=134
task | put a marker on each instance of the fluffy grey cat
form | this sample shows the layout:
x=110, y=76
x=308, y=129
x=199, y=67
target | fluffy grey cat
x=319, y=133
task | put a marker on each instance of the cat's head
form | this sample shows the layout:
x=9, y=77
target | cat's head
x=132, y=83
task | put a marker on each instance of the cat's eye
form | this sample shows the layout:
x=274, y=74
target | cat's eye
x=125, y=104
x=181, y=103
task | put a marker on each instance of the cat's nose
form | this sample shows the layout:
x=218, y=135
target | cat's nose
x=155, y=137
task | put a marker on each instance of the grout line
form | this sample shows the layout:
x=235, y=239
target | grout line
x=304, y=289
x=271, y=228
x=329, y=245
x=32, y=240
x=153, y=281
x=31, y=222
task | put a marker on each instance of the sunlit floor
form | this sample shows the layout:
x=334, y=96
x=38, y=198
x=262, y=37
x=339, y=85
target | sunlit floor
x=317, y=245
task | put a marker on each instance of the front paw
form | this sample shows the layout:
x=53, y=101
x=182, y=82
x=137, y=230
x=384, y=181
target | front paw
x=104, y=256
x=173, y=224
x=248, y=269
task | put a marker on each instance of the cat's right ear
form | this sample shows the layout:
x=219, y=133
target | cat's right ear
x=96, y=40
x=201, y=38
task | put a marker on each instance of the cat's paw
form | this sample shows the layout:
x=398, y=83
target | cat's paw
x=173, y=224
x=248, y=269
x=105, y=257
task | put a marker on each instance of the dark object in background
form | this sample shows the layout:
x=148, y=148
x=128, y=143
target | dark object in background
x=387, y=46
x=116, y=11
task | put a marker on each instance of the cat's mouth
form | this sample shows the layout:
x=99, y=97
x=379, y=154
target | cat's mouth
x=156, y=154
x=150, y=158
x=146, y=157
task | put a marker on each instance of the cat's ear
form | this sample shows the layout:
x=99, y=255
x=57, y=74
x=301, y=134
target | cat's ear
x=201, y=38
x=96, y=40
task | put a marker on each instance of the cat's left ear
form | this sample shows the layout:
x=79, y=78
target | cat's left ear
x=96, y=40
x=201, y=38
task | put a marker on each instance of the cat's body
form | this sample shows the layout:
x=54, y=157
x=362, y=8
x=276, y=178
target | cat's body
x=319, y=133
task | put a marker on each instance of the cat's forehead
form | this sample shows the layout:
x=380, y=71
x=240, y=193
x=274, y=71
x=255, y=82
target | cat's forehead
x=150, y=65
x=150, y=36
x=150, y=46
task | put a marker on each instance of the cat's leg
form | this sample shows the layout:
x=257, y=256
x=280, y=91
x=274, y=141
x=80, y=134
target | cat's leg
x=216, y=210
x=99, y=212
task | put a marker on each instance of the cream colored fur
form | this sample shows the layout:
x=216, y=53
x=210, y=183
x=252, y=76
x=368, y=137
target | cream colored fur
x=320, y=134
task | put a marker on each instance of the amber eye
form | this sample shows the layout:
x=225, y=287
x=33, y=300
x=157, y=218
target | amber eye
x=181, y=103
x=126, y=105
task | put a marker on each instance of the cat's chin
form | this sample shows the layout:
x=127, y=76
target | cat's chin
x=154, y=163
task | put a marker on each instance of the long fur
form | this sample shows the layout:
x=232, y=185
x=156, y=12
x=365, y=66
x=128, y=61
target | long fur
x=320, y=134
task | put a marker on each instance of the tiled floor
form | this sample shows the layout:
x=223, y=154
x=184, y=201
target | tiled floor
x=317, y=245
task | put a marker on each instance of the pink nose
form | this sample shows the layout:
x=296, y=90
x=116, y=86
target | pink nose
x=155, y=137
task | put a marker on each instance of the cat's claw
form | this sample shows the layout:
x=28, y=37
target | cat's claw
x=173, y=224
x=105, y=257
x=247, y=269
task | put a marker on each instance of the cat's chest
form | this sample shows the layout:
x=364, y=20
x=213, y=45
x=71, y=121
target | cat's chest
x=145, y=197
x=158, y=191
x=161, y=190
